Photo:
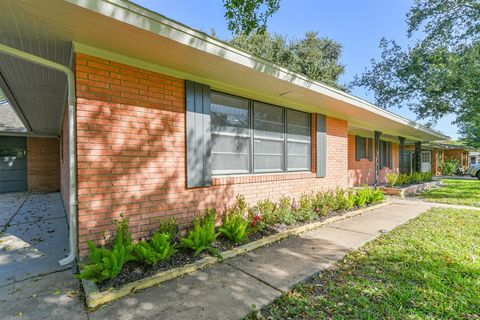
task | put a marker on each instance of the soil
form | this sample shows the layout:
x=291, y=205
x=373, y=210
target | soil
x=135, y=270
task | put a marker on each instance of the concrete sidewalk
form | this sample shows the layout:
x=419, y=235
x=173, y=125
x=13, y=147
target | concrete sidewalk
x=229, y=290
x=225, y=291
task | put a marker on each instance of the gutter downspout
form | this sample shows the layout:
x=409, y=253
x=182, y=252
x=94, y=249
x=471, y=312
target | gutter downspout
x=71, y=140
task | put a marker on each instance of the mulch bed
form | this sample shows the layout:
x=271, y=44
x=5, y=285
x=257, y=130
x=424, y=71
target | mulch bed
x=136, y=270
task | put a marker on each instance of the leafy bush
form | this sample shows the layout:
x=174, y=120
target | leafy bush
x=324, y=202
x=169, y=227
x=235, y=227
x=362, y=196
x=416, y=177
x=108, y=263
x=284, y=211
x=449, y=167
x=376, y=195
x=305, y=211
x=267, y=210
x=341, y=199
x=351, y=199
x=203, y=234
x=392, y=179
x=159, y=248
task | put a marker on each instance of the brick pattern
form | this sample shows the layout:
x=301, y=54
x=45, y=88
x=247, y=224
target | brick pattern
x=363, y=172
x=131, y=154
x=43, y=164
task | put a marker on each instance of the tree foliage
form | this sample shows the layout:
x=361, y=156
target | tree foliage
x=440, y=73
x=313, y=56
x=249, y=16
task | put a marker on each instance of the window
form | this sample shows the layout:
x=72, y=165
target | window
x=472, y=160
x=360, y=148
x=426, y=156
x=230, y=123
x=255, y=137
x=269, y=137
x=386, y=154
x=298, y=141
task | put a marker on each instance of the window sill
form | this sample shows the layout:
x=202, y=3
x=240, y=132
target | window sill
x=256, y=178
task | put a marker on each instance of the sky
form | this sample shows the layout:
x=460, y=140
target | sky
x=357, y=25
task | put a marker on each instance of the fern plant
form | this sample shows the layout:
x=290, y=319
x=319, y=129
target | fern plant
x=361, y=198
x=376, y=195
x=203, y=234
x=108, y=263
x=235, y=227
x=351, y=199
x=159, y=248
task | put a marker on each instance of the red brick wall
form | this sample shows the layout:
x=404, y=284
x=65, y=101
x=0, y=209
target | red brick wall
x=43, y=164
x=131, y=154
x=363, y=171
x=64, y=163
x=359, y=172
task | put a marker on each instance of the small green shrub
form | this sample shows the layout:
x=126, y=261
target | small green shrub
x=266, y=209
x=108, y=263
x=341, y=199
x=449, y=167
x=324, y=202
x=284, y=211
x=159, y=248
x=169, y=227
x=392, y=179
x=203, y=234
x=361, y=197
x=376, y=195
x=351, y=199
x=305, y=210
x=235, y=227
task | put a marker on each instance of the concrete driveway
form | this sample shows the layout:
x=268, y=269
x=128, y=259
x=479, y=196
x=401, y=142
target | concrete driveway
x=33, y=235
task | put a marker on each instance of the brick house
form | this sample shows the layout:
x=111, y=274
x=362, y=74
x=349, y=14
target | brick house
x=173, y=121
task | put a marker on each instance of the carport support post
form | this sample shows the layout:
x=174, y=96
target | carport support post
x=418, y=156
x=377, y=135
x=402, y=144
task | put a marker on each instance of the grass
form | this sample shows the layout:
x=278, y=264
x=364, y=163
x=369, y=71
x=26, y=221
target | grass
x=426, y=269
x=462, y=192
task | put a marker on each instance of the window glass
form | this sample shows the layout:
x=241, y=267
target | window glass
x=269, y=137
x=361, y=147
x=230, y=119
x=298, y=141
x=255, y=137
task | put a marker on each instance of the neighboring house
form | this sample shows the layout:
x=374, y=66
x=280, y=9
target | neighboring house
x=433, y=154
x=168, y=121
x=474, y=157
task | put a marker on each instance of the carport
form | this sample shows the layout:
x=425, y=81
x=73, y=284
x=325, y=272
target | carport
x=36, y=117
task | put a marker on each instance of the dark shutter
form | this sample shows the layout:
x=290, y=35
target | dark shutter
x=357, y=148
x=370, y=148
x=321, y=145
x=198, y=135
x=382, y=154
x=390, y=156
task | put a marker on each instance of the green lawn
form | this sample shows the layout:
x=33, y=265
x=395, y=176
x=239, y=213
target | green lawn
x=426, y=269
x=463, y=192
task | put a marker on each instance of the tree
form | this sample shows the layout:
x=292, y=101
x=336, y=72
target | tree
x=249, y=16
x=440, y=73
x=315, y=57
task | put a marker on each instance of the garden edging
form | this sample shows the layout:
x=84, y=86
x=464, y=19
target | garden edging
x=410, y=190
x=96, y=298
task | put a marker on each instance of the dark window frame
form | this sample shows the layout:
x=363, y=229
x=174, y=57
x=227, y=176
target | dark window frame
x=251, y=103
x=364, y=154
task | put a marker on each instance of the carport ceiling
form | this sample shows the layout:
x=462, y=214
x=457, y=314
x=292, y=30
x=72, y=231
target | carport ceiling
x=36, y=93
